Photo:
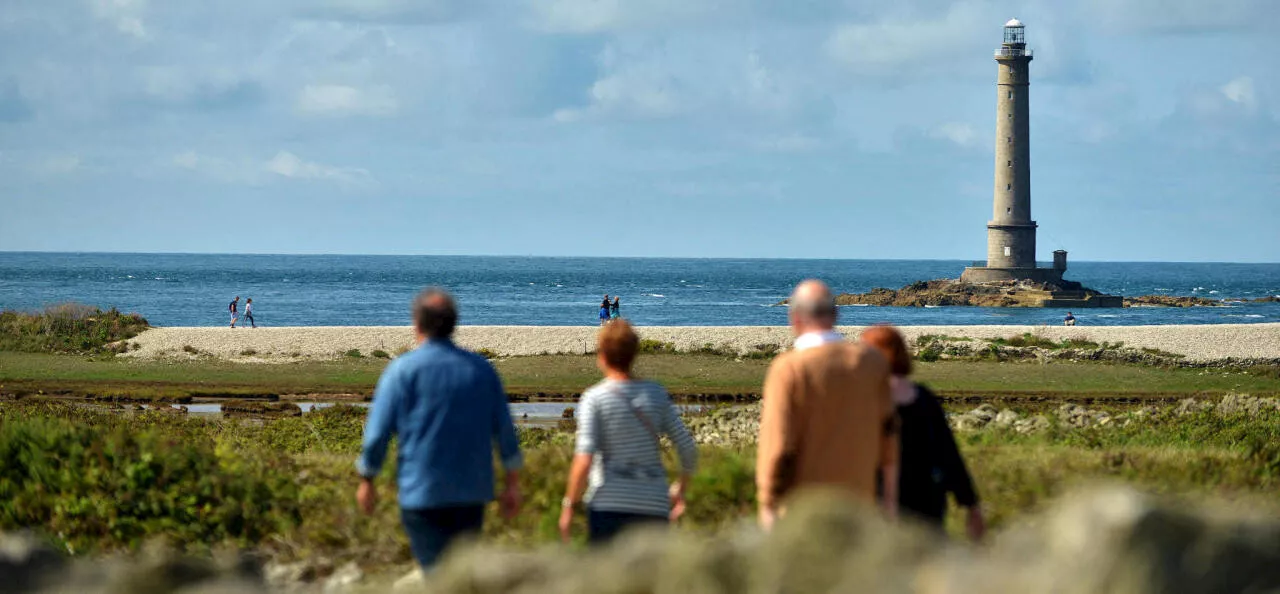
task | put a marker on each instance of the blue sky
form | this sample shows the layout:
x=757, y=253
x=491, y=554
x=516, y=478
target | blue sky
x=737, y=128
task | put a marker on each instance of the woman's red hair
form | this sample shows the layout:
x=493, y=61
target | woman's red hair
x=894, y=347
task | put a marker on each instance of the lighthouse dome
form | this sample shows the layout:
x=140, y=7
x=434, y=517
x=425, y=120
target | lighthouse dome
x=1013, y=23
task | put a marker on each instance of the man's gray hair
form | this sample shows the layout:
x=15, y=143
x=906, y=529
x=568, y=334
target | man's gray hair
x=435, y=314
x=824, y=308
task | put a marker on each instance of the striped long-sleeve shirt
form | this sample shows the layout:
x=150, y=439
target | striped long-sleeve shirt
x=627, y=474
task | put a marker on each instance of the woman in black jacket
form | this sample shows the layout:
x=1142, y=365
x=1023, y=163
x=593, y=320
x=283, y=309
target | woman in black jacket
x=929, y=465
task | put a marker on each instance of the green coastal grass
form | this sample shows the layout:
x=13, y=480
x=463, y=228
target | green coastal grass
x=97, y=481
x=570, y=374
x=67, y=328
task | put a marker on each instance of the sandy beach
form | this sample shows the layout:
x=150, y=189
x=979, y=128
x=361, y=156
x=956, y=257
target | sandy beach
x=1196, y=342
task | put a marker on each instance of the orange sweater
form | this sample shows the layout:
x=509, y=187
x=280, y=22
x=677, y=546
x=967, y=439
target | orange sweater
x=827, y=419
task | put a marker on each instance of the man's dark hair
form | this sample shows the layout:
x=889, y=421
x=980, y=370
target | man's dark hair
x=434, y=313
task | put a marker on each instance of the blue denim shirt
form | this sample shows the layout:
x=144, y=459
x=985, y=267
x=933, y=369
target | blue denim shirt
x=447, y=407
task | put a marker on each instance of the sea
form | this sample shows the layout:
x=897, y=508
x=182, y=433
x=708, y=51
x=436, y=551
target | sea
x=331, y=290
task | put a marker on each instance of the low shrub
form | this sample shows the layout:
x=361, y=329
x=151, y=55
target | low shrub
x=100, y=481
x=68, y=328
x=1079, y=343
x=1027, y=339
x=248, y=353
x=354, y=354
x=380, y=354
x=487, y=353
x=190, y=350
x=655, y=347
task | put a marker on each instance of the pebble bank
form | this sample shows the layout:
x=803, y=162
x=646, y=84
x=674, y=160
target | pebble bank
x=1210, y=342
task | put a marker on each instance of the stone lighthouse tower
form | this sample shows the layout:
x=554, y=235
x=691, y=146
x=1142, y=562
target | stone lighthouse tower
x=1011, y=233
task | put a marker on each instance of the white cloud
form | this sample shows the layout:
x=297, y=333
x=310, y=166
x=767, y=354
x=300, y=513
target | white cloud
x=287, y=164
x=126, y=15
x=1240, y=90
x=347, y=100
x=642, y=89
x=898, y=48
x=252, y=172
x=598, y=16
x=959, y=133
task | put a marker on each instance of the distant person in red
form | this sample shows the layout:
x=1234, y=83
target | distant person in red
x=248, y=312
x=234, y=303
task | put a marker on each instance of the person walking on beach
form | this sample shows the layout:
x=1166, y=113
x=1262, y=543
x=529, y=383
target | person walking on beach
x=604, y=310
x=1070, y=320
x=929, y=463
x=617, y=464
x=827, y=419
x=447, y=408
x=615, y=309
x=234, y=304
x=248, y=312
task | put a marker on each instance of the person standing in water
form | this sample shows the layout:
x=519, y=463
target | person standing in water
x=248, y=312
x=613, y=310
x=234, y=303
x=604, y=310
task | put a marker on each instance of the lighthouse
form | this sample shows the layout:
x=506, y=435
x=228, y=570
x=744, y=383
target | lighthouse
x=1011, y=232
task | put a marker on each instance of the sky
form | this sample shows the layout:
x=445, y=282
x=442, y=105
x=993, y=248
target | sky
x=700, y=128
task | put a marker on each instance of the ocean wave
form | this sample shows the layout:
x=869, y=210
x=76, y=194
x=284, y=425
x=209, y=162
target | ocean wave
x=1162, y=290
x=932, y=306
x=1106, y=316
x=658, y=295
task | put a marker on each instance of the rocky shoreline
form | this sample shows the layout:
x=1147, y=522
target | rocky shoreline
x=951, y=292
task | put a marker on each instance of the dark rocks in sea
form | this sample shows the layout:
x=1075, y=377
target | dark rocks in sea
x=1067, y=294
x=1171, y=301
x=943, y=292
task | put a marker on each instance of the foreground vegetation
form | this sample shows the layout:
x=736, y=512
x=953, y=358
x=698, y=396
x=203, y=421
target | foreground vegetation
x=95, y=480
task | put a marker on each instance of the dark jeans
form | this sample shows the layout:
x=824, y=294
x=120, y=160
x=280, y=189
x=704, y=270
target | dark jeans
x=432, y=530
x=603, y=526
x=250, y=318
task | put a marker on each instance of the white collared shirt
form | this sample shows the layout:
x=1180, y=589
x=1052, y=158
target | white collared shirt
x=809, y=340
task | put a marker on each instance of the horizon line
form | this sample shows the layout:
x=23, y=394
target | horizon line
x=592, y=257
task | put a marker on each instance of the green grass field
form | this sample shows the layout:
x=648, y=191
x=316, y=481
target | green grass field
x=570, y=374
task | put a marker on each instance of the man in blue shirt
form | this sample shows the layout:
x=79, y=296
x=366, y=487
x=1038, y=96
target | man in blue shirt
x=447, y=407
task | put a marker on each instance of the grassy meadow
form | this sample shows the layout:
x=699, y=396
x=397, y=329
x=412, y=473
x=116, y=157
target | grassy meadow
x=95, y=480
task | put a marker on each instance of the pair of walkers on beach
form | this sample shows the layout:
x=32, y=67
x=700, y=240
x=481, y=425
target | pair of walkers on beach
x=610, y=310
x=835, y=415
x=248, y=312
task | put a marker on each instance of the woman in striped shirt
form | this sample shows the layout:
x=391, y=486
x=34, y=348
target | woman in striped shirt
x=617, y=466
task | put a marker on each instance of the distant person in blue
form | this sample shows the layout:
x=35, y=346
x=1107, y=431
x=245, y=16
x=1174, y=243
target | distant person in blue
x=248, y=312
x=447, y=408
x=234, y=303
x=614, y=310
x=1070, y=320
x=604, y=310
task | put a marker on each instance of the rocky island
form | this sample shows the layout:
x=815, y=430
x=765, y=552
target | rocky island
x=1017, y=293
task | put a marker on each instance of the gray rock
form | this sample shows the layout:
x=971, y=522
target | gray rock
x=344, y=578
x=1006, y=418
